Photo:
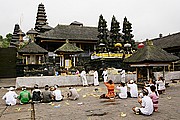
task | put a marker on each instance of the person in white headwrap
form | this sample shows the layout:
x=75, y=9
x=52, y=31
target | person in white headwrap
x=133, y=89
x=57, y=94
x=10, y=97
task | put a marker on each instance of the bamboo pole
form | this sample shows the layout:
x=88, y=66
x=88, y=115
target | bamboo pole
x=32, y=111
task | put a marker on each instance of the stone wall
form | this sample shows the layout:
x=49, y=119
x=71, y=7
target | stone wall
x=68, y=80
x=74, y=80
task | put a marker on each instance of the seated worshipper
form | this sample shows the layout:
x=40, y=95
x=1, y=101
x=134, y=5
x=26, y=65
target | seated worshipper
x=73, y=94
x=10, y=97
x=24, y=96
x=154, y=96
x=123, y=90
x=110, y=86
x=46, y=95
x=57, y=94
x=146, y=104
x=161, y=85
x=133, y=92
x=147, y=85
x=36, y=94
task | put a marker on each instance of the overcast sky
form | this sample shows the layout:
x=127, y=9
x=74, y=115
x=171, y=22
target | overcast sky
x=149, y=18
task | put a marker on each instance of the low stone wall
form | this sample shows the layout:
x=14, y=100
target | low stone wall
x=168, y=75
x=68, y=80
x=74, y=80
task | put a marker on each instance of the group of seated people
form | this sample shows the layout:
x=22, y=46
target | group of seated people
x=49, y=94
x=148, y=97
x=123, y=90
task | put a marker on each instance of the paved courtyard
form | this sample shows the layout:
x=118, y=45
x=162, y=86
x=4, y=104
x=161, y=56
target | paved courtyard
x=90, y=107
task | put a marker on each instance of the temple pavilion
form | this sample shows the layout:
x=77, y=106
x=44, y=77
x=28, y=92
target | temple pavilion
x=144, y=59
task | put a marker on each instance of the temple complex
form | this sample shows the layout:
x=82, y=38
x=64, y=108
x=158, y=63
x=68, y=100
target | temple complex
x=69, y=46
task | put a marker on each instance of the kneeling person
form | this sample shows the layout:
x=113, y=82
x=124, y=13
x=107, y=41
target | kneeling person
x=73, y=94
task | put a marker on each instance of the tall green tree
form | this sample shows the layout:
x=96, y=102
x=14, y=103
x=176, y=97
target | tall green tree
x=127, y=34
x=102, y=29
x=114, y=34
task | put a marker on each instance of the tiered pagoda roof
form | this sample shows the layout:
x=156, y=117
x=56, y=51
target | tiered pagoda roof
x=41, y=20
x=16, y=36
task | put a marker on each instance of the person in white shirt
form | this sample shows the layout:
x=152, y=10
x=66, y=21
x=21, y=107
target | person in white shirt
x=73, y=94
x=146, y=104
x=123, y=76
x=105, y=75
x=57, y=94
x=96, y=82
x=123, y=90
x=133, y=89
x=10, y=97
x=160, y=85
x=83, y=77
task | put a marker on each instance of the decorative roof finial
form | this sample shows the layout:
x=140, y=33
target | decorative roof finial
x=67, y=41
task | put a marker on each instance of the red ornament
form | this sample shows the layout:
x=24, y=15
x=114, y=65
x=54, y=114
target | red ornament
x=140, y=45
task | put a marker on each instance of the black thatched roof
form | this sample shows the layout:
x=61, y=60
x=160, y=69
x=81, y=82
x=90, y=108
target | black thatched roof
x=76, y=23
x=170, y=41
x=71, y=32
x=32, y=48
x=32, y=31
x=151, y=53
x=68, y=48
x=47, y=27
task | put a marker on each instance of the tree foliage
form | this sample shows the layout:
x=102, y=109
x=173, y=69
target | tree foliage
x=102, y=29
x=5, y=42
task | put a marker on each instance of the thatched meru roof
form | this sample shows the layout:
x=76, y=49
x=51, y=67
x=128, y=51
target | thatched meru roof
x=32, y=48
x=170, y=41
x=71, y=32
x=150, y=54
x=68, y=48
x=32, y=31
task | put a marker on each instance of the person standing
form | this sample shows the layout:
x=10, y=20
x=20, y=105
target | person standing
x=24, y=96
x=96, y=82
x=105, y=75
x=123, y=76
x=10, y=97
x=46, y=95
x=83, y=77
